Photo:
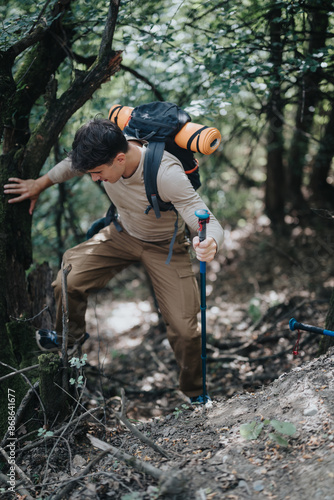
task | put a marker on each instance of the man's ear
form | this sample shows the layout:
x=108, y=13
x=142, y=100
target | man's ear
x=120, y=157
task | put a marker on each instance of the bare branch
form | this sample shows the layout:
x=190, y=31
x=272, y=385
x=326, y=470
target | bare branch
x=19, y=488
x=75, y=421
x=108, y=34
x=125, y=457
x=143, y=79
x=33, y=388
x=26, y=42
x=63, y=493
x=19, y=471
x=136, y=432
x=16, y=372
x=64, y=298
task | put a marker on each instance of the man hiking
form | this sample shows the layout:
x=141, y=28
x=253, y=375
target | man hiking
x=102, y=150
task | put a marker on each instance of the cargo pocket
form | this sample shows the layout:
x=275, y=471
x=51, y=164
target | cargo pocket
x=190, y=302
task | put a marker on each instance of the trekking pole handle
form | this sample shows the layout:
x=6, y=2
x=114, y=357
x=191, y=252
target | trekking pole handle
x=203, y=219
x=295, y=325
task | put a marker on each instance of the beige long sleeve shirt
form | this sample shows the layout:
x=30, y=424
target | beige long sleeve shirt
x=130, y=199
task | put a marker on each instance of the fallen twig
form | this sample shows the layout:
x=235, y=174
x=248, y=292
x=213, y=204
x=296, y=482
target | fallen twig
x=18, y=487
x=17, y=468
x=20, y=410
x=25, y=479
x=55, y=444
x=159, y=363
x=24, y=403
x=171, y=482
x=140, y=466
x=17, y=372
x=63, y=493
x=32, y=388
x=136, y=431
x=58, y=431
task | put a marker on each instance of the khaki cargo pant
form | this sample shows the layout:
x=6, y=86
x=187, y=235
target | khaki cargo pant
x=97, y=260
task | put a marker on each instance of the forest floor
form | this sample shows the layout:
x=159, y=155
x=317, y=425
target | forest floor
x=254, y=287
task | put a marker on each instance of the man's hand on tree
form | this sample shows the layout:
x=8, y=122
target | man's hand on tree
x=26, y=189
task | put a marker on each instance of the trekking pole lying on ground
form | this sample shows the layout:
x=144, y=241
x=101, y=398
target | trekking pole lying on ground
x=295, y=325
x=203, y=220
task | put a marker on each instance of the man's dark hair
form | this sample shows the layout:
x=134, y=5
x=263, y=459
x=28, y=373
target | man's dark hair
x=96, y=143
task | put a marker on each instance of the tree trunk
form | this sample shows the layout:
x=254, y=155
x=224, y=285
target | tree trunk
x=42, y=297
x=50, y=388
x=308, y=98
x=323, y=193
x=326, y=342
x=24, y=153
x=275, y=185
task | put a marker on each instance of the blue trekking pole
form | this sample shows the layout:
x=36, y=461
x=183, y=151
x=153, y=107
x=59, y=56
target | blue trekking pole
x=203, y=220
x=295, y=325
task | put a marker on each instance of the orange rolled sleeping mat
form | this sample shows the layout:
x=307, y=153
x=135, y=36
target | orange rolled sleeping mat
x=193, y=136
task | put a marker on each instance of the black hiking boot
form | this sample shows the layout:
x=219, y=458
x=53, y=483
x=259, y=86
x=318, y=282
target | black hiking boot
x=199, y=400
x=47, y=341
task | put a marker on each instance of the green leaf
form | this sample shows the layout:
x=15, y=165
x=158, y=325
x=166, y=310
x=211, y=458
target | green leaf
x=251, y=431
x=278, y=438
x=283, y=427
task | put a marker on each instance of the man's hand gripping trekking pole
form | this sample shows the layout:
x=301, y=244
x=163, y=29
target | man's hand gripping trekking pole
x=203, y=220
x=206, y=248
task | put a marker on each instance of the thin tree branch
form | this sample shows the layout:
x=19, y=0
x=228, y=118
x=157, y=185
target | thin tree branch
x=142, y=467
x=19, y=489
x=28, y=41
x=144, y=79
x=19, y=471
x=65, y=319
x=17, y=372
x=59, y=431
x=120, y=416
x=108, y=34
x=32, y=388
x=63, y=493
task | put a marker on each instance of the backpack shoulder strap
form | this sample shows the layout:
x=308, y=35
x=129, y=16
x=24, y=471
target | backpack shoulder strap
x=153, y=157
x=152, y=160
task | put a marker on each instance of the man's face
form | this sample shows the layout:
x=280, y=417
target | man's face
x=108, y=172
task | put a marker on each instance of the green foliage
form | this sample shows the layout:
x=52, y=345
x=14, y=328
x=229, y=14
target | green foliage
x=79, y=382
x=77, y=364
x=17, y=19
x=44, y=433
x=253, y=430
x=211, y=58
x=178, y=411
x=283, y=427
